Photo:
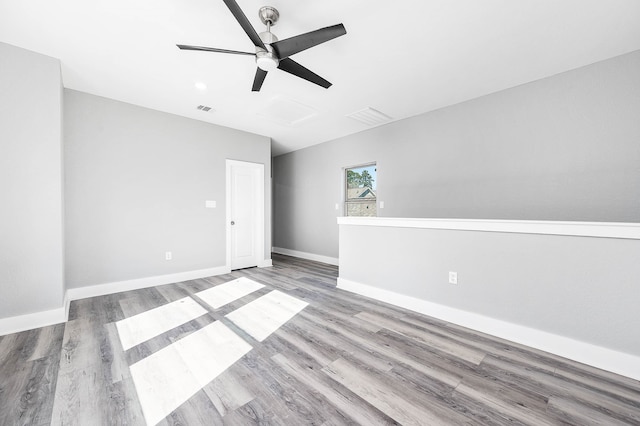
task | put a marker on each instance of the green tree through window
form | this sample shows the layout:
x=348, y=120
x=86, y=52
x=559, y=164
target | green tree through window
x=360, y=191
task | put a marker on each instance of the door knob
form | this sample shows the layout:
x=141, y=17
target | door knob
x=232, y=222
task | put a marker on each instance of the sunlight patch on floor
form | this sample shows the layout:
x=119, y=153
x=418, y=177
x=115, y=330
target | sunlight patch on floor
x=167, y=378
x=266, y=314
x=222, y=294
x=142, y=327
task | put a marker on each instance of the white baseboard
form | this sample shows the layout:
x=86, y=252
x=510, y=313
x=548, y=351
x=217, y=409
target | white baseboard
x=30, y=321
x=305, y=255
x=58, y=315
x=596, y=356
x=136, y=284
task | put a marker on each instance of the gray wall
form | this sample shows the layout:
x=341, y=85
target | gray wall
x=578, y=287
x=31, y=245
x=562, y=148
x=136, y=181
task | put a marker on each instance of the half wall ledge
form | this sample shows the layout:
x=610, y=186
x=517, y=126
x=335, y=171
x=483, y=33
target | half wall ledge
x=578, y=229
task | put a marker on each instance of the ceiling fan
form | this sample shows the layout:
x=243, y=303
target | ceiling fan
x=271, y=53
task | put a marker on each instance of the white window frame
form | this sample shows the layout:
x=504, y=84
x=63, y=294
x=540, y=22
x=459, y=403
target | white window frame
x=345, y=188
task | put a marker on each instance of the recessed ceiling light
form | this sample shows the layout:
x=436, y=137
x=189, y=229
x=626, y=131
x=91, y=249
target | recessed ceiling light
x=200, y=85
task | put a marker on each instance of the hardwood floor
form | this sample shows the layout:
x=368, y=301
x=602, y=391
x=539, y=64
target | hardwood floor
x=337, y=358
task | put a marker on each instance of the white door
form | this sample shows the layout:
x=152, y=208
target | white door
x=245, y=214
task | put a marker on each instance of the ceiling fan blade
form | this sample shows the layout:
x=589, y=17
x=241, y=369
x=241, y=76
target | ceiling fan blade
x=213, y=49
x=244, y=23
x=289, y=46
x=258, y=80
x=292, y=67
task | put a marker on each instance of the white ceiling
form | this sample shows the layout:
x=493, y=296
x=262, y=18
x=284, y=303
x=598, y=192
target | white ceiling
x=402, y=58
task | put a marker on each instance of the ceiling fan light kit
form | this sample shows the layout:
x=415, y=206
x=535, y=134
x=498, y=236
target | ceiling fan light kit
x=271, y=53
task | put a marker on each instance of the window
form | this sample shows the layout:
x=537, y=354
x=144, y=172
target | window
x=360, y=190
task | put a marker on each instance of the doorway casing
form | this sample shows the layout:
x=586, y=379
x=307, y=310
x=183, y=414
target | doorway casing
x=259, y=212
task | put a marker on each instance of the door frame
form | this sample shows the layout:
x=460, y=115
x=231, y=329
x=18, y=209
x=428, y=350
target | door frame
x=260, y=213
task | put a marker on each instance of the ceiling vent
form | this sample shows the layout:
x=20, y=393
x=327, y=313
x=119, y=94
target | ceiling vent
x=370, y=117
x=286, y=111
x=205, y=108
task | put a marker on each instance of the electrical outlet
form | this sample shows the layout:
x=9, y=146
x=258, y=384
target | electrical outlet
x=453, y=277
x=168, y=255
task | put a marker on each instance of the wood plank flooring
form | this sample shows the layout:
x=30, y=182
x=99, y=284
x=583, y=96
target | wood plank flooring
x=338, y=359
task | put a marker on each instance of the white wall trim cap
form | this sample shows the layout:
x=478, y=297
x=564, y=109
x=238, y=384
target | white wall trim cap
x=305, y=255
x=580, y=229
x=607, y=359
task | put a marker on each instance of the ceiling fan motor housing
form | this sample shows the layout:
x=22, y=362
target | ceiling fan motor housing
x=266, y=59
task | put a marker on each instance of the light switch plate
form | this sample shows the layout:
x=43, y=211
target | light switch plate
x=210, y=204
